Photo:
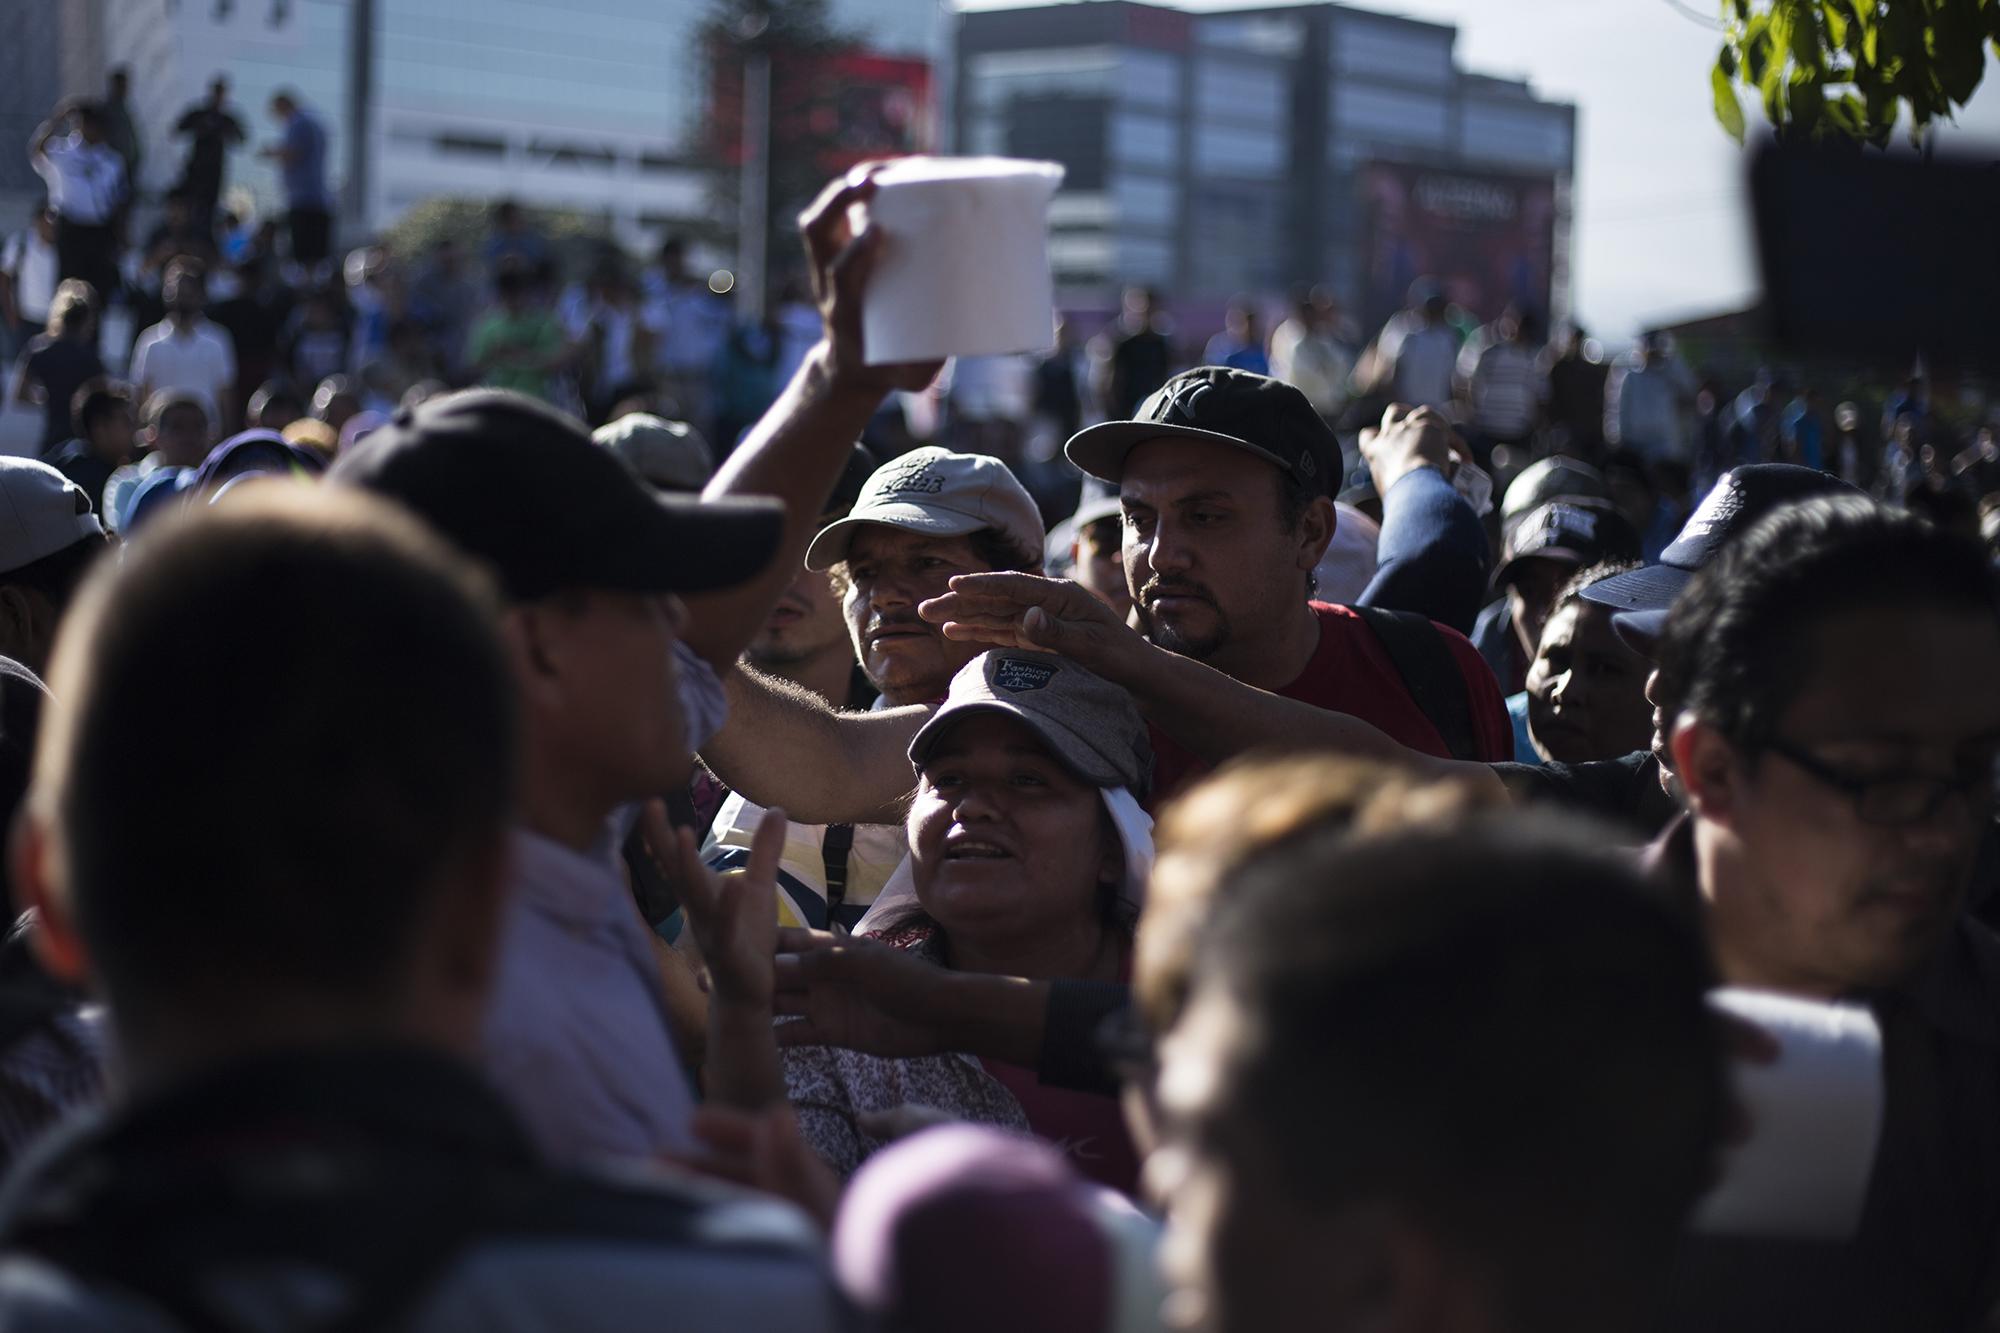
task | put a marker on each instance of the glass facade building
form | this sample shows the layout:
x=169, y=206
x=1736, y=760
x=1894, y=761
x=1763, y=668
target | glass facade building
x=1214, y=153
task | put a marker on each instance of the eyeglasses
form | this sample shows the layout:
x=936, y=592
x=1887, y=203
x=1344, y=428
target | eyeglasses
x=1903, y=798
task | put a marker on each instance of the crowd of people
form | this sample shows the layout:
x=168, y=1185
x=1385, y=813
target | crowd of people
x=487, y=857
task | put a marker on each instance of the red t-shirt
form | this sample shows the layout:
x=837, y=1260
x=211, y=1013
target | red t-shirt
x=1351, y=673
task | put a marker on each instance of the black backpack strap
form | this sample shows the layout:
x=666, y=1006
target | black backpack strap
x=1430, y=673
x=834, y=850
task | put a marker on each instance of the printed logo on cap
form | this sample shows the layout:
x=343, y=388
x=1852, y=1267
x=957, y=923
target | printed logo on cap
x=1307, y=468
x=1570, y=518
x=1017, y=675
x=1183, y=408
x=914, y=478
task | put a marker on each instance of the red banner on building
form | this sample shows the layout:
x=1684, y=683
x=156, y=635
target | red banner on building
x=1487, y=238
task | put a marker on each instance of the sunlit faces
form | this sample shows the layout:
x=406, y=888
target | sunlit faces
x=1009, y=849
x=888, y=573
x=1208, y=560
x=1817, y=899
x=1586, y=689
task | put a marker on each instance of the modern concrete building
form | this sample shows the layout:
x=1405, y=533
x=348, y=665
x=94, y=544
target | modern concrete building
x=580, y=104
x=1233, y=151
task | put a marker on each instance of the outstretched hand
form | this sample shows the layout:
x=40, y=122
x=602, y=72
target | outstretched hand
x=1029, y=611
x=859, y=994
x=734, y=915
x=840, y=259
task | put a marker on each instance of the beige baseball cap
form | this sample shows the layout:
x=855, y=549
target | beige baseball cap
x=940, y=494
x=1091, y=725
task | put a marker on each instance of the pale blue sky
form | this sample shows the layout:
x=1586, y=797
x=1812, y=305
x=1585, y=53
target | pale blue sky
x=1660, y=229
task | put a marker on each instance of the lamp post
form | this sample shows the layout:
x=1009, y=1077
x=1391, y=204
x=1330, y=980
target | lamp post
x=754, y=197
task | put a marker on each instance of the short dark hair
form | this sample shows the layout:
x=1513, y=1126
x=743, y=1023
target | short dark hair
x=300, y=794
x=95, y=399
x=58, y=575
x=1732, y=652
x=1498, y=1025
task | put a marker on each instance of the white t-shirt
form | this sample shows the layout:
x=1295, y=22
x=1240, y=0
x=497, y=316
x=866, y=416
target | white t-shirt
x=86, y=181
x=199, y=360
x=31, y=261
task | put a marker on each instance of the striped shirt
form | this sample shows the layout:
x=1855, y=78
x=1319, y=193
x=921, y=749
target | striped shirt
x=86, y=181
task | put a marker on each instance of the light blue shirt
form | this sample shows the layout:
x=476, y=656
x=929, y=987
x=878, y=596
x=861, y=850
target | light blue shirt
x=577, y=1035
x=1517, y=713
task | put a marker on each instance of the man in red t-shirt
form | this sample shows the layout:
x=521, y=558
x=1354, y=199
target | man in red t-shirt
x=1223, y=482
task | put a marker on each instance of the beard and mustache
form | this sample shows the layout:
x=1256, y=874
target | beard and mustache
x=1200, y=647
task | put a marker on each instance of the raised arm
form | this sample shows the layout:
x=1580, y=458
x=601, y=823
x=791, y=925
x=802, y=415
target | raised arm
x=38, y=142
x=784, y=745
x=797, y=450
x=1432, y=557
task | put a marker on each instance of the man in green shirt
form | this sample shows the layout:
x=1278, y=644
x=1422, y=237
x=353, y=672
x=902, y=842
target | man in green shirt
x=518, y=344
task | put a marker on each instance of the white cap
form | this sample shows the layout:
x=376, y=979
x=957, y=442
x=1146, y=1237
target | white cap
x=940, y=494
x=41, y=512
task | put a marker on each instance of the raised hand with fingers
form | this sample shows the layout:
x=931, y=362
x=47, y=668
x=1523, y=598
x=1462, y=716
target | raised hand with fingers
x=734, y=915
x=1028, y=611
x=840, y=257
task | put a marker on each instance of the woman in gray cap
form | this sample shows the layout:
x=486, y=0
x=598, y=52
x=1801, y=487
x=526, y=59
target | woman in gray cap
x=1028, y=856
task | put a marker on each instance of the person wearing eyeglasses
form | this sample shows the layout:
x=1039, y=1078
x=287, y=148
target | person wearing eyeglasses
x=1830, y=689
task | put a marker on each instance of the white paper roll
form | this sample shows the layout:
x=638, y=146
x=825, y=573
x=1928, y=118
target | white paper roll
x=1815, y=1117
x=964, y=269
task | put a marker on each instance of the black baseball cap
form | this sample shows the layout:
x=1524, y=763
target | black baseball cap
x=519, y=485
x=1576, y=531
x=1220, y=405
x=1642, y=598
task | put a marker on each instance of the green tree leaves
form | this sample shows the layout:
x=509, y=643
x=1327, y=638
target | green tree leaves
x=1847, y=70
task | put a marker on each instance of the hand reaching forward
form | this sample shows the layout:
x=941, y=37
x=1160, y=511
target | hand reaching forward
x=856, y=993
x=1029, y=611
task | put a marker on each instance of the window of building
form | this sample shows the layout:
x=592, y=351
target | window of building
x=1150, y=79
x=1394, y=51
x=1143, y=202
x=1389, y=115
x=998, y=77
x=1528, y=135
x=1235, y=90
x=1239, y=153
x=1139, y=140
x=1143, y=259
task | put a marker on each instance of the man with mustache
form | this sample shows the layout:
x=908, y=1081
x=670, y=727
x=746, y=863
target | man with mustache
x=916, y=521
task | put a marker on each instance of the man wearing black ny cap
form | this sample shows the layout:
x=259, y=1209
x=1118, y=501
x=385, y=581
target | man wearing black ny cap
x=621, y=607
x=1224, y=481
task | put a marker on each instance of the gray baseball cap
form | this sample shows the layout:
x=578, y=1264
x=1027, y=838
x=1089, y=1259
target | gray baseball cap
x=667, y=455
x=41, y=512
x=940, y=494
x=1091, y=725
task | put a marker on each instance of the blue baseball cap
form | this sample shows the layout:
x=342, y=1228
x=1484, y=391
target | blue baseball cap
x=1641, y=599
